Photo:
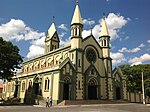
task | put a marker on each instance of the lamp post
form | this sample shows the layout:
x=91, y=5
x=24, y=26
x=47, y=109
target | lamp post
x=143, y=89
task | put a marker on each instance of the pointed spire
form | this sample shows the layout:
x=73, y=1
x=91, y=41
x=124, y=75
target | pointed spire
x=52, y=29
x=77, y=16
x=104, y=29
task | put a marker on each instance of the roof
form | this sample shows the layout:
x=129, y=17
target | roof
x=1, y=85
x=104, y=29
x=77, y=16
x=51, y=30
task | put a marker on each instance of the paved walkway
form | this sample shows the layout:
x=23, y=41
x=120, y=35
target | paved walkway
x=129, y=107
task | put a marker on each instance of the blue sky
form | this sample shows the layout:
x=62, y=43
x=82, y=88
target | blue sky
x=25, y=22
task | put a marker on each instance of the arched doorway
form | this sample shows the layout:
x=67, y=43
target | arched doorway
x=17, y=85
x=67, y=89
x=92, y=89
x=37, y=85
x=36, y=88
x=118, y=93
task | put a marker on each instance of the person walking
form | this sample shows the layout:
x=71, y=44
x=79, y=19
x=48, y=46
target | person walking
x=51, y=100
x=47, y=102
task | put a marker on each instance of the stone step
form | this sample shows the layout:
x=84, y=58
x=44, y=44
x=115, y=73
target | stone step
x=85, y=102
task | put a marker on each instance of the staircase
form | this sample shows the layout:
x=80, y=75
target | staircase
x=12, y=101
x=88, y=102
x=41, y=100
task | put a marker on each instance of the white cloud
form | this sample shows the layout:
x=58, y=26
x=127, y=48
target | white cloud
x=63, y=27
x=117, y=58
x=139, y=60
x=18, y=31
x=141, y=45
x=95, y=32
x=148, y=41
x=114, y=22
x=35, y=50
x=39, y=42
x=62, y=34
x=124, y=49
x=88, y=21
x=64, y=42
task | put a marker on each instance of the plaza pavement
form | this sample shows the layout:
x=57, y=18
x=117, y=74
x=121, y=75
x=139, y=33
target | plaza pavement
x=128, y=107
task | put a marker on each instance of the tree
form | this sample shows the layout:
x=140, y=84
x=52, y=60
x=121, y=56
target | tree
x=134, y=77
x=10, y=59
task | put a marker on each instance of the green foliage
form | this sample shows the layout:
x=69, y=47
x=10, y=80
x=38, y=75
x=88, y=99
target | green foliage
x=10, y=59
x=134, y=77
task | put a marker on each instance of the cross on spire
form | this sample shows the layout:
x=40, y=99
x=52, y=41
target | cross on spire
x=77, y=2
x=90, y=25
x=53, y=19
x=104, y=15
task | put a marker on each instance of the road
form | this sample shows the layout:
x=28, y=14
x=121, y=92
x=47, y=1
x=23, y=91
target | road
x=129, y=107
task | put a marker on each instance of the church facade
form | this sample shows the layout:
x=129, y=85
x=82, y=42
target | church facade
x=81, y=70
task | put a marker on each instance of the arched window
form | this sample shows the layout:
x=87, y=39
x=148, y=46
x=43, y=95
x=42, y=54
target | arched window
x=72, y=33
x=23, y=85
x=92, y=82
x=8, y=88
x=30, y=83
x=13, y=87
x=92, y=71
x=4, y=88
x=72, y=56
x=76, y=31
x=67, y=80
x=104, y=42
x=79, y=87
x=56, y=62
x=79, y=63
x=79, y=32
x=47, y=84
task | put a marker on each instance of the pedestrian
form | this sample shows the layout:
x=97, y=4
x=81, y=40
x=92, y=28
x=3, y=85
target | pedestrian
x=51, y=100
x=47, y=102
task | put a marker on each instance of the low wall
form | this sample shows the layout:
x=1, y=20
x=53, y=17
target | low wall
x=137, y=98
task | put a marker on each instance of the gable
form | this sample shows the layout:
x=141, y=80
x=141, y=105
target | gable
x=91, y=70
x=118, y=73
x=91, y=41
x=66, y=62
x=55, y=37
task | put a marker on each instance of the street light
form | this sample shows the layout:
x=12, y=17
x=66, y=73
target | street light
x=143, y=89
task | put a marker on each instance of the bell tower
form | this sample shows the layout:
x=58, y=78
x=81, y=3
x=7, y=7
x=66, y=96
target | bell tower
x=52, y=39
x=105, y=39
x=104, y=43
x=76, y=49
x=76, y=28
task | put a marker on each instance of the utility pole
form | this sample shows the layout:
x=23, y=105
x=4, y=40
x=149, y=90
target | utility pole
x=143, y=89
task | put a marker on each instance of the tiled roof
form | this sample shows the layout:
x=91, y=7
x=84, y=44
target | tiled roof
x=1, y=85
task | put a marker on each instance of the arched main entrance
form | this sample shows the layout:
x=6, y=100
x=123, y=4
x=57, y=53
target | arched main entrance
x=67, y=88
x=92, y=89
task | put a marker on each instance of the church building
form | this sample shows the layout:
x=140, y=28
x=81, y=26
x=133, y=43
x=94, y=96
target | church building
x=81, y=70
